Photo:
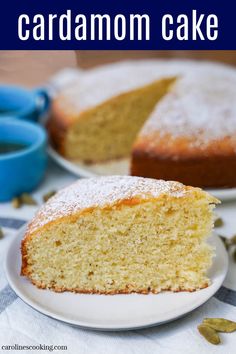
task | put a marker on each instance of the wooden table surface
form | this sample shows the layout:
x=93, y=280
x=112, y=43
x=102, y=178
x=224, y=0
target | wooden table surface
x=33, y=68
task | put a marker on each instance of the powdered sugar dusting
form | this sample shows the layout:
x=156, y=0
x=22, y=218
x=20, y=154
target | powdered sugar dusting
x=101, y=192
x=201, y=105
x=95, y=86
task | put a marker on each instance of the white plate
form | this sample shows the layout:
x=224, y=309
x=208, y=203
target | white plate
x=120, y=167
x=112, y=312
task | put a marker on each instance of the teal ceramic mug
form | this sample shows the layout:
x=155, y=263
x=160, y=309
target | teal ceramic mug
x=22, y=169
x=24, y=104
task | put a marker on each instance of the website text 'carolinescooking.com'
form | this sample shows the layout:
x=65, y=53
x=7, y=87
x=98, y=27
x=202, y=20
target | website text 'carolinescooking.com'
x=18, y=347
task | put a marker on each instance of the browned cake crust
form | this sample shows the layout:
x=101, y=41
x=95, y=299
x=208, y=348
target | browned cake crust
x=168, y=159
x=125, y=291
x=57, y=126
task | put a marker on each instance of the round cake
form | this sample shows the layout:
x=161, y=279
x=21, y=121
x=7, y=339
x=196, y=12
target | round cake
x=121, y=234
x=175, y=119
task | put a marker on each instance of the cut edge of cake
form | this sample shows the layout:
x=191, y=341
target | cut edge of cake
x=122, y=207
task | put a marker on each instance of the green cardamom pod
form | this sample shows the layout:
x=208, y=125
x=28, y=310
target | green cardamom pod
x=225, y=241
x=234, y=255
x=219, y=222
x=220, y=324
x=233, y=240
x=16, y=202
x=48, y=195
x=209, y=334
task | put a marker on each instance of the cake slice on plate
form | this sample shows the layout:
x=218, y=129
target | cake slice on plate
x=121, y=234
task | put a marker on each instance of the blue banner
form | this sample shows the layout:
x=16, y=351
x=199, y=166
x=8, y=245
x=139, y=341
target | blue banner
x=164, y=25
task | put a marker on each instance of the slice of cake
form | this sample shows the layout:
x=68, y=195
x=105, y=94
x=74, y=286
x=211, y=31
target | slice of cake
x=112, y=235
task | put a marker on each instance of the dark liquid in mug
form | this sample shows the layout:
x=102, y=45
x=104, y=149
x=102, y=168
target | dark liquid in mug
x=9, y=147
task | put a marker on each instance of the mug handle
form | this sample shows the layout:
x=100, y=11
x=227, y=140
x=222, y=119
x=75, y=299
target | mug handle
x=43, y=97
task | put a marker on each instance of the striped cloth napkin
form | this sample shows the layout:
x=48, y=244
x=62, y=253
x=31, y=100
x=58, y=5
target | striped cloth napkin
x=21, y=325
